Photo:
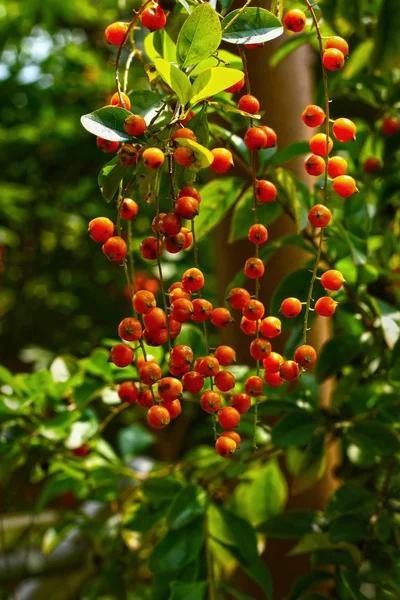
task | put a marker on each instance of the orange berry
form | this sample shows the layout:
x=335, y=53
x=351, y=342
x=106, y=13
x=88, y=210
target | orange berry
x=294, y=20
x=273, y=379
x=390, y=125
x=155, y=319
x=208, y=366
x=181, y=355
x=225, y=355
x=150, y=248
x=305, y=356
x=248, y=327
x=184, y=132
x=260, y=348
x=184, y=156
x=344, y=130
x=169, y=388
x=255, y=138
x=242, y=403
x=193, y=280
x=149, y=372
x=121, y=355
x=182, y=310
x=319, y=215
x=143, y=301
x=332, y=280
x=106, y=145
x=115, y=248
x=135, y=125
x=271, y=135
x=233, y=435
x=289, y=370
x=238, y=298
x=221, y=317
x=116, y=32
x=225, y=446
x=173, y=407
x=339, y=43
x=291, y=307
x=270, y=327
x=254, y=310
x=129, y=209
x=153, y=158
x=223, y=160
x=273, y=362
x=202, y=310
x=130, y=329
x=372, y=165
x=158, y=417
x=333, y=59
x=121, y=102
x=254, y=268
x=127, y=155
x=318, y=144
x=236, y=87
x=190, y=191
x=325, y=306
x=249, y=104
x=128, y=392
x=258, y=234
x=210, y=401
x=153, y=17
x=187, y=207
x=145, y=398
x=224, y=381
x=193, y=382
x=228, y=417
x=265, y=191
x=344, y=186
x=313, y=116
x=337, y=166
x=100, y=229
x=254, y=386
x=315, y=165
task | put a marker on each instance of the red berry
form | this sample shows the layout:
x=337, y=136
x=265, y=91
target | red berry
x=254, y=268
x=174, y=328
x=121, y=102
x=236, y=87
x=171, y=223
x=390, y=125
x=175, y=243
x=372, y=165
x=338, y=43
x=254, y=386
x=337, y=166
x=169, y=388
x=178, y=371
x=318, y=144
x=81, y=451
x=100, y=229
x=258, y=234
x=313, y=116
x=149, y=373
x=325, y=306
x=202, y=310
x=232, y=435
x=315, y=165
x=128, y=392
x=193, y=382
x=115, y=248
x=193, y=280
x=253, y=46
x=130, y=329
x=248, y=327
x=345, y=186
x=129, y=209
x=208, y=366
x=249, y=104
x=291, y=307
x=153, y=17
x=188, y=237
x=344, y=130
x=294, y=20
x=265, y=191
x=150, y=248
x=242, y=403
x=224, y=381
x=184, y=156
x=254, y=310
x=143, y=301
x=190, y=191
x=106, y=146
x=224, y=446
x=273, y=362
x=289, y=370
x=210, y=401
x=272, y=379
x=187, y=207
x=184, y=132
x=173, y=407
x=255, y=138
x=333, y=59
x=182, y=310
x=153, y=158
x=116, y=32
x=158, y=417
x=127, y=155
x=332, y=280
x=223, y=160
x=155, y=338
x=228, y=417
x=238, y=298
x=135, y=125
x=225, y=355
x=121, y=355
x=260, y=348
x=145, y=398
x=221, y=317
x=270, y=327
x=181, y=355
x=305, y=356
x=189, y=116
x=271, y=135
x=319, y=215
x=155, y=319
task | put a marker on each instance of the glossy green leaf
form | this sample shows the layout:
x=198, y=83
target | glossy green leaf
x=158, y=44
x=390, y=322
x=306, y=582
x=212, y=81
x=108, y=123
x=287, y=193
x=243, y=215
x=350, y=498
x=291, y=524
x=252, y=26
x=217, y=197
x=199, y=37
x=294, y=429
x=194, y=337
x=348, y=529
x=359, y=59
x=339, y=351
x=110, y=177
x=176, y=79
x=203, y=157
x=133, y=439
x=195, y=590
x=292, y=151
x=374, y=437
x=178, y=548
x=231, y=108
x=191, y=502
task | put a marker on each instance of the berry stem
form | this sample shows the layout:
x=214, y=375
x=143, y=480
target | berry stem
x=160, y=273
x=325, y=186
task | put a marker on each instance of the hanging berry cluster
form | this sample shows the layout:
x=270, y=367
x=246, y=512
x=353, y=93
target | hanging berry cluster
x=175, y=144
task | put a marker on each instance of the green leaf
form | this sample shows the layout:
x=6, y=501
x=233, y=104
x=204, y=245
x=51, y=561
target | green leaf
x=199, y=37
x=294, y=429
x=252, y=26
x=6, y=377
x=195, y=590
x=193, y=336
x=307, y=581
x=110, y=177
x=178, y=548
x=350, y=498
x=387, y=40
x=287, y=186
x=347, y=585
x=161, y=491
x=243, y=215
x=203, y=157
x=199, y=126
x=108, y=123
x=348, y=529
x=374, y=437
x=333, y=556
x=292, y=151
x=390, y=322
x=212, y=81
x=292, y=524
x=176, y=80
x=263, y=493
x=339, y=351
x=217, y=197
x=359, y=59
x=133, y=440
x=191, y=502
x=231, y=108
x=289, y=46
x=54, y=536
x=158, y=44
x=307, y=465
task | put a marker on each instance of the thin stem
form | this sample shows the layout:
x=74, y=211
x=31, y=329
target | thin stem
x=160, y=273
x=111, y=415
x=242, y=9
x=325, y=186
x=210, y=568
